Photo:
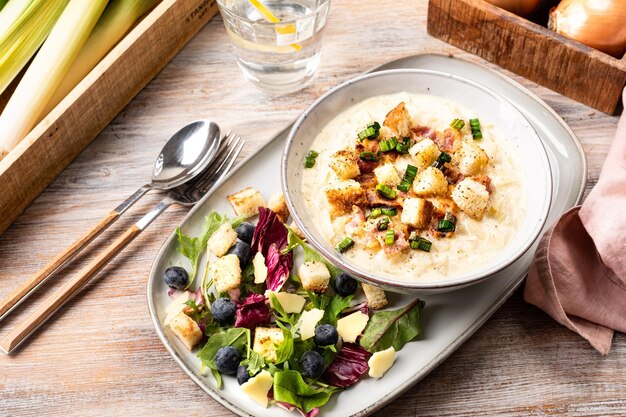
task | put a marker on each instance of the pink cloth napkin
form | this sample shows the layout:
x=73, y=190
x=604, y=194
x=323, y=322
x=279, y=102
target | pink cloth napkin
x=578, y=275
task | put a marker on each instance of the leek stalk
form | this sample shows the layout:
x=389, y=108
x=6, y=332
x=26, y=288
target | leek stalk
x=116, y=21
x=21, y=37
x=47, y=70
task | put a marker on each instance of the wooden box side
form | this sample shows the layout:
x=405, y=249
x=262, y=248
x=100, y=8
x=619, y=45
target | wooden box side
x=532, y=51
x=27, y=170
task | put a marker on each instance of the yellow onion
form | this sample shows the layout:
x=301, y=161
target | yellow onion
x=600, y=24
x=518, y=7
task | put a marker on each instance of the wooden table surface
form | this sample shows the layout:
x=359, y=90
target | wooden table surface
x=101, y=356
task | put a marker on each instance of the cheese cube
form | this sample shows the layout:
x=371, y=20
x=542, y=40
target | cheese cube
x=380, y=362
x=472, y=197
x=430, y=183
x=424, y=153
x=222, y=239
x=308, y=321
x=314, y=276
x=176, y=307
x=260, y=269
x=291, y=303
x=345, y=164
x=186, y=330
x=399, y=120
x=266, y=339
x=416, y=212
x=258, y=386
x=278, y=205
x=246, y=202
x=351, y=326
x=342, y=195
x=471, y=159
x=375, y=296
x=387, y=174
x=226, y=273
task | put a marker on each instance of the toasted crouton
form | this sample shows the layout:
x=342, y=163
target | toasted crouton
x=416, y=212
x=186, y=330
x=471, y=159
x=387, y=174
x=246, y=202
x=222, y=239
x=266, y=339
x=314, y=276
x=342, y=195
x=430, y=183
x=294, y=227
x=399, y=120
x=424, y=153
x=472, y=197
x=226, y=273
x=278, y=205
x=345, y=164
x=376, y=297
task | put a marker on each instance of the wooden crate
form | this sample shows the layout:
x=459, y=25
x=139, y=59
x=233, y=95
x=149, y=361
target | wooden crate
x=530, y=50
x=28, y=169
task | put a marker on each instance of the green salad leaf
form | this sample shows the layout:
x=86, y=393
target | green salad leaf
x=255, y=362
x=193, y=247
x=310, y=254
x=289, y=387
x=332, y=306
x=284, y=351
x=393, y=328
x=236, y=336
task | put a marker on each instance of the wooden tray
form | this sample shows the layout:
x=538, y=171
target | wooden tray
x=78, y=119
x=530, y=50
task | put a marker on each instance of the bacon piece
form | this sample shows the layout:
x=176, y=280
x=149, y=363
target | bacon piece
x=425, y=131
x=449, y=140
x=484, y=180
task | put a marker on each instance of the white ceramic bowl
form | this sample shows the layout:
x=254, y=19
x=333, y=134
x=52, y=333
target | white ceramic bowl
x=465, y=93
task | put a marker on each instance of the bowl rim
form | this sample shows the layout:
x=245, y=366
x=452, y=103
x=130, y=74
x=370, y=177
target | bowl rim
x=407, y=286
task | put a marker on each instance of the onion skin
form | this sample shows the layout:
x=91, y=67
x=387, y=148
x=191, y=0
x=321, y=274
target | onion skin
x=600, y=24
x=519, y=7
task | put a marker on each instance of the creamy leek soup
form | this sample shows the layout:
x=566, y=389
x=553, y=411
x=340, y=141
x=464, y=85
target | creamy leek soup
x=414, y=187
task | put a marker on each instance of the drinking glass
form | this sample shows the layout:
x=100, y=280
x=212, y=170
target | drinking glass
x=277, y=43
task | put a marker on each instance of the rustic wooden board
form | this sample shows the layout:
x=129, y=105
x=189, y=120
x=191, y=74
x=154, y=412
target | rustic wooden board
x=100, y=356
x=77, y=120
x=532, y=51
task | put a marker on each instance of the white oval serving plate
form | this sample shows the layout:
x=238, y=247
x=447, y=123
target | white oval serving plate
x=448, y=318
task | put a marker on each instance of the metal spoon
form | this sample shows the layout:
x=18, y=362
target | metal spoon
x=185, y=155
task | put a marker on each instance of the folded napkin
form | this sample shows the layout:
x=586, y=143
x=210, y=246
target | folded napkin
x=578, y=275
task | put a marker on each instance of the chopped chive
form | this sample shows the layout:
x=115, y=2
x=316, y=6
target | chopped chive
x=391, y=211
x=445, y=226
x=476, y=131
x=457, y=124
x=310, y=159
x=370, y=132
x=383, y=224
x=444, y=157
x=386, y=191
x=375, y=213
x=424, y=244
x=345, y=244
x=407, y=179
x=389, y=144
x=390, y=237
x=369, y=156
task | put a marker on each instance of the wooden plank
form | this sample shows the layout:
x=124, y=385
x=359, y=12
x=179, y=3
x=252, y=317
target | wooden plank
x=77, y=120
x=532, y=51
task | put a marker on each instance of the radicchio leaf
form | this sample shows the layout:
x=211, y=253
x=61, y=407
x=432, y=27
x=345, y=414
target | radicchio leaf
x=278, y=267
x=348, y=367
x=252, y=311
x=270, y=237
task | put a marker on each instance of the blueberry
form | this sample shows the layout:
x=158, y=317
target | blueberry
x=242, y=374
x=312, y=364
x=245, y=231
x=243, y=252
x=345, y=285
x=223, y=310
x=326, y=335
x=227, y=360
x=176, y=277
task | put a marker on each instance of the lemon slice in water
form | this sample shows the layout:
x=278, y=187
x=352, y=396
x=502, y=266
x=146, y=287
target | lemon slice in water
x=288, y=29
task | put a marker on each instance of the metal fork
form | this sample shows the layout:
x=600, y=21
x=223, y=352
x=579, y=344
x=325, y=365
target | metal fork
x=186, y=195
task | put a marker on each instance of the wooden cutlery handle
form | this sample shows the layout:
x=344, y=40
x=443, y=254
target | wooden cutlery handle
x=24, y=289
x=63, y=294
